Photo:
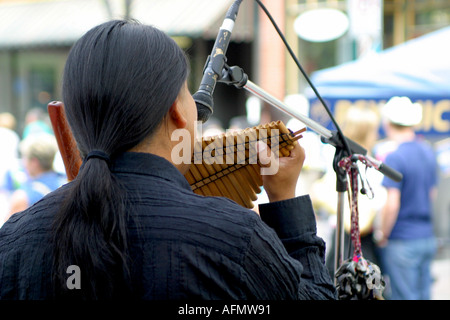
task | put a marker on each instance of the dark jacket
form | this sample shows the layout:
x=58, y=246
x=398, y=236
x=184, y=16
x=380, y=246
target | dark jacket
x=182, y=245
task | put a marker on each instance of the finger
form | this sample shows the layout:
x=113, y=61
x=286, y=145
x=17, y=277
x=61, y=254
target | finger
x=298, y=152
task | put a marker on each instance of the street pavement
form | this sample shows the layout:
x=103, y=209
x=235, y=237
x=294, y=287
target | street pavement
x=440, y=270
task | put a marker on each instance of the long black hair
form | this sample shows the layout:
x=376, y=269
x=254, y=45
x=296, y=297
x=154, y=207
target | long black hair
x=119, y=82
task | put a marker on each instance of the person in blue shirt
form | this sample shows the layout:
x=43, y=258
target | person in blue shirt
x=38, y=153
x=129, y=225
x=406, y=234
x=36, y=123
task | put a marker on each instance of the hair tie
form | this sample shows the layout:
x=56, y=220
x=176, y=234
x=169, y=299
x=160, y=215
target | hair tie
x=99, y=155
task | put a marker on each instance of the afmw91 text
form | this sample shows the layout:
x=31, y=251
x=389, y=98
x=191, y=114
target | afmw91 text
x=227, y=309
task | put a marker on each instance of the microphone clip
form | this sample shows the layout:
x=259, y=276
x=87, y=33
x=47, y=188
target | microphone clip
x=234, y=76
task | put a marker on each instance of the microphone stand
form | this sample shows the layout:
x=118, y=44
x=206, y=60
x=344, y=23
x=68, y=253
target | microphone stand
x=341, y=177
x=237, y=77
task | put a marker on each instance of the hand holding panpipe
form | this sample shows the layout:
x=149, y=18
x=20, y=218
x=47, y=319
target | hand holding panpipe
x=236, y=177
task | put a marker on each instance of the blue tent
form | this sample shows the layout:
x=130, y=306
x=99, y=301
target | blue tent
x=418, y=68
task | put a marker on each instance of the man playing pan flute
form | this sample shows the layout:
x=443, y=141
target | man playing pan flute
x=129, y=226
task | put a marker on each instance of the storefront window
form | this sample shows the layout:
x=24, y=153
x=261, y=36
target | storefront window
x=42, y=85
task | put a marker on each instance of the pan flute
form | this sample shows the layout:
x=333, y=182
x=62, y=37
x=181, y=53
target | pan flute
x=227, y=164
x=237, y=177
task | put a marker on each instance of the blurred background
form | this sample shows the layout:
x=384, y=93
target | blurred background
x=357, y=53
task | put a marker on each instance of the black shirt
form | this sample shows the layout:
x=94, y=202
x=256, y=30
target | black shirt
x=182, y=245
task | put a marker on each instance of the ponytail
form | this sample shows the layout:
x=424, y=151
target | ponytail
x=92, y=228
x=120, y=80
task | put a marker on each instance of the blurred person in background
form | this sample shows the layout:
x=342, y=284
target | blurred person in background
x=36, y=121
x=38, y=153
x=7, y=127
x=9, y=140
x=9, y=160
x=406, y=235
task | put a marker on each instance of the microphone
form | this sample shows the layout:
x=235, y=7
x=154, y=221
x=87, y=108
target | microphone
x=212, y=71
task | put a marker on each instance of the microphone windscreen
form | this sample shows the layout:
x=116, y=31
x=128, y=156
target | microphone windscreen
x=204, y=104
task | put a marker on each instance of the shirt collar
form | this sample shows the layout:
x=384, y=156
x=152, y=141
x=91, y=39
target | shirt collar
x=149, y=164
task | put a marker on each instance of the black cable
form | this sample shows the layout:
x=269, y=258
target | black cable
x=297, y=62
x=344, y=140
